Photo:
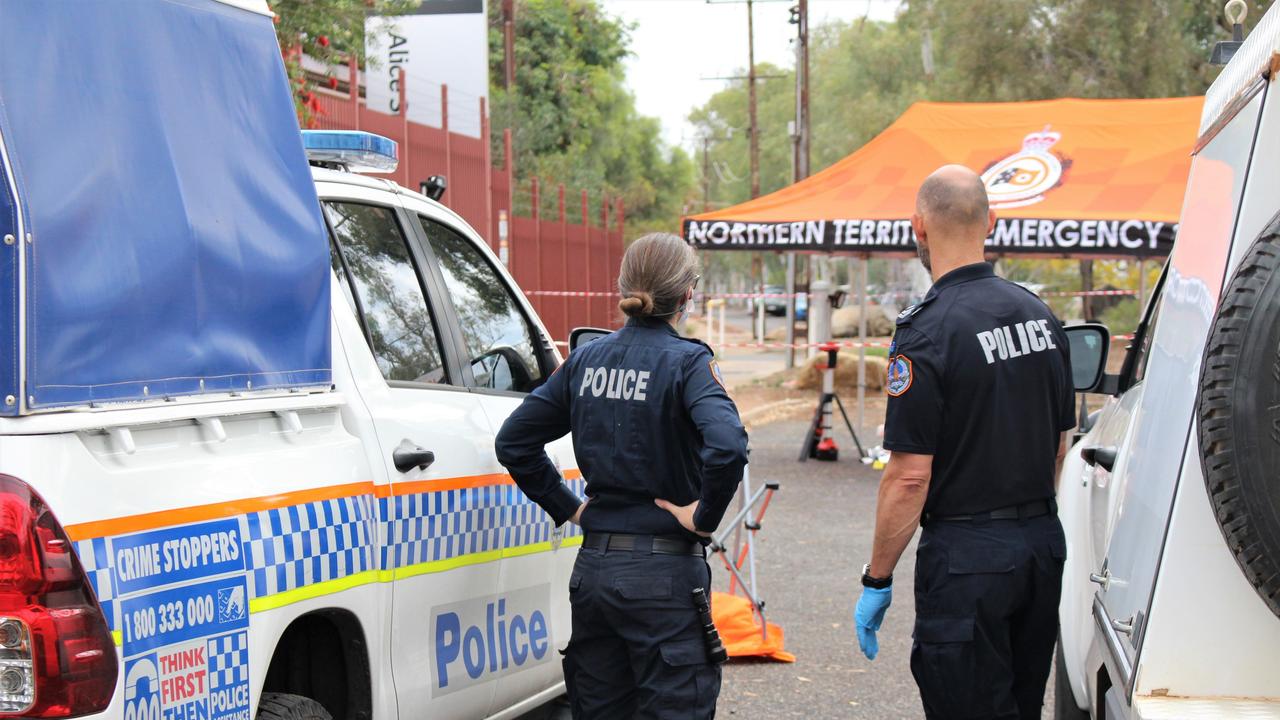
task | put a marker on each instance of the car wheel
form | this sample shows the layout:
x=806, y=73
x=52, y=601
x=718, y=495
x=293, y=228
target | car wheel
x=1064, y=700
x=1239, y=416
x=280, y=706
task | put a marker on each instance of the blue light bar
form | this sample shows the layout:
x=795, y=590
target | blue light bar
x=354, y=150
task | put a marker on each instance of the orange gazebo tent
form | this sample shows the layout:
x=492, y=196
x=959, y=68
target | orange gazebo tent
x=1070, y=177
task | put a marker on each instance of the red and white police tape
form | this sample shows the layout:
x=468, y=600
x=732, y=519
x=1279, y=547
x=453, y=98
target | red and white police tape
x=747, y=296
x=805, y=345
x=1088, y=293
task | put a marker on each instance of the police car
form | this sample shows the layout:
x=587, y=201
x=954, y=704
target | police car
x=1171, y=592
x=246, y=446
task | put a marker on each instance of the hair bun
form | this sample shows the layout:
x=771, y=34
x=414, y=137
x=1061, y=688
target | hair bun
x=637, y=304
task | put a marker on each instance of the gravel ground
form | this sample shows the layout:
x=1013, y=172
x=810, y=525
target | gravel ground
x=816, y=536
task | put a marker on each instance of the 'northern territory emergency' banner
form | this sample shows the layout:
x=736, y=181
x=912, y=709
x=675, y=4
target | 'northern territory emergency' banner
x=1139, y=238
x=1068, y=177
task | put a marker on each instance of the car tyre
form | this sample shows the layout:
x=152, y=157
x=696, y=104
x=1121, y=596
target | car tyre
x=1239, y=416
x=281, y=706
x=1064, y=700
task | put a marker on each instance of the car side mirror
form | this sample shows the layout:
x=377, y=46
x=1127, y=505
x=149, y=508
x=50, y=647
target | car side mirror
x=583, y=335
x=1089, y=343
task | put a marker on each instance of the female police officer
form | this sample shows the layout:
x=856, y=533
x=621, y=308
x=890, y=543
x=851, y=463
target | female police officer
x=662, y=450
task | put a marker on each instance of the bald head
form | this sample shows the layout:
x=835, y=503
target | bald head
x=952, y=219
x=953, y=201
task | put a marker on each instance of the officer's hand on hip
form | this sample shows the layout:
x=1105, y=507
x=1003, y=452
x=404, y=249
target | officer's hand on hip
x=872, y=605
x=577, y=516
x=683, y=513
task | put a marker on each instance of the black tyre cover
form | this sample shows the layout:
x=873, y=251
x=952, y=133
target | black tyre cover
x=1239, y=414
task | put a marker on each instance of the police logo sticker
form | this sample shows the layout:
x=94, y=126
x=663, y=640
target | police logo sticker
x=715, y=373
x=899, y=375
x=1024, y=177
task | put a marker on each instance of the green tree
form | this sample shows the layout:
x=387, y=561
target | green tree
x=573, y=119
x=329, y=31
x=864, y=74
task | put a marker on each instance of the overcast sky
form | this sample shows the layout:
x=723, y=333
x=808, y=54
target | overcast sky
x=676, y=43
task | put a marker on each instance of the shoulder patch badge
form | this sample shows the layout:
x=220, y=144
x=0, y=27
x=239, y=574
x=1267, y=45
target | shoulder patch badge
x=715, y=373
x=899, y=379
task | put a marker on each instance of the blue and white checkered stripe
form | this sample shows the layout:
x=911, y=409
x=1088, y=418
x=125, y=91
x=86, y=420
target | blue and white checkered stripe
x=292, y=547
x=300, y=545
x=442, y=525
x=433, y=526
x=228, y=660
x=95, y=558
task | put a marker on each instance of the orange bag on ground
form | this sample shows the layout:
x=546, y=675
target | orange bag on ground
x=740, y=633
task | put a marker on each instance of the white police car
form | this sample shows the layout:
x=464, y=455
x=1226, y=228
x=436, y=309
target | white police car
x=1171, y=594
x=246, y=440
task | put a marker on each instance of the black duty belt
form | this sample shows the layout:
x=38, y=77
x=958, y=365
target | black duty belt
x=660, y=545
x=1035, y=508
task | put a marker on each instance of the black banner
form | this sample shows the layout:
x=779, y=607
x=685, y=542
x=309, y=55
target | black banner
x=449, y=7
x=1085, y=238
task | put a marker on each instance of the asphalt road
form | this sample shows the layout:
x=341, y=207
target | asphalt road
x=815, y=538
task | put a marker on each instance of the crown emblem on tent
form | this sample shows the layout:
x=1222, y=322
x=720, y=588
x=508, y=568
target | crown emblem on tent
x=1040, y=142
x=1024, y=177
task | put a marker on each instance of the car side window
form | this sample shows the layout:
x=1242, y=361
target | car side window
x=499, y=339
x=344, y=280
x=388, y=289
x=1135, y=365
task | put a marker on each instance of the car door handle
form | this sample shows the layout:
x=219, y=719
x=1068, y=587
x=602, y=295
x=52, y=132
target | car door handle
x=406, y=459
x=1124, y=627
x=1101, y=455
x=1103, y=579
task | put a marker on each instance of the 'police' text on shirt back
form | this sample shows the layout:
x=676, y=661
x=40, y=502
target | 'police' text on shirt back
x=1016, y=340
x=615, y=383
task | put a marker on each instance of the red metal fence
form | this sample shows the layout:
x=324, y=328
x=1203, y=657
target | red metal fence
x=563, y=252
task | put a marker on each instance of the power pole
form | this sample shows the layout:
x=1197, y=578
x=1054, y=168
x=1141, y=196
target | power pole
x=751, y=102
x=509, y=43
x=802, y=89
x=799, y=18
x=706, y=173
x=757, y=260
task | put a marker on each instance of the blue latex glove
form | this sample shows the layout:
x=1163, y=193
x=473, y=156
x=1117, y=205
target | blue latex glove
x=868, y=615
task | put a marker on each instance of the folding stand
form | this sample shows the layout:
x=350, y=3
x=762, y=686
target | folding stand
x=745, y=552
x=818, y=441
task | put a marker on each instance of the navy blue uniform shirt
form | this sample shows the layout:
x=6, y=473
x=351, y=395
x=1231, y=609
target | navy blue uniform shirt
x=980, y=378
x=650, y=419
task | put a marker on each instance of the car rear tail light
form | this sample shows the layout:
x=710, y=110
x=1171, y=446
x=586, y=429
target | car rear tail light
x=57, y=658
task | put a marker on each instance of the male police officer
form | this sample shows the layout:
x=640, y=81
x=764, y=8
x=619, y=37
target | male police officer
x=662, y=449
x=980, y=402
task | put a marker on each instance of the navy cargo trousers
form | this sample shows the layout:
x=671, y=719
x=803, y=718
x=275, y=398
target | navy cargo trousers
x=637, y=649
x=986, y=616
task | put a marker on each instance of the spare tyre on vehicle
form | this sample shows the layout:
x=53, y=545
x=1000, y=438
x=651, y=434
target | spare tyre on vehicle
x=1239, y=416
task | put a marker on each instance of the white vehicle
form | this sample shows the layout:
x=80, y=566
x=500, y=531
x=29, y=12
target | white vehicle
x=332, y=537
x=1171, y=503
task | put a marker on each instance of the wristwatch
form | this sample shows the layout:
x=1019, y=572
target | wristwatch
x=874, y=582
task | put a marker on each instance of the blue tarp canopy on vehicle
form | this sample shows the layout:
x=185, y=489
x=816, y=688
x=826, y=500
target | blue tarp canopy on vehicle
x=163, y=236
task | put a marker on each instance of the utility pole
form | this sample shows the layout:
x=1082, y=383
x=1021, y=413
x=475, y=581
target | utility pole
x=509, y=43
x=751, y=102
x=753, y=139
x=802, y=89
x=706, y=173
x=799, y=18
